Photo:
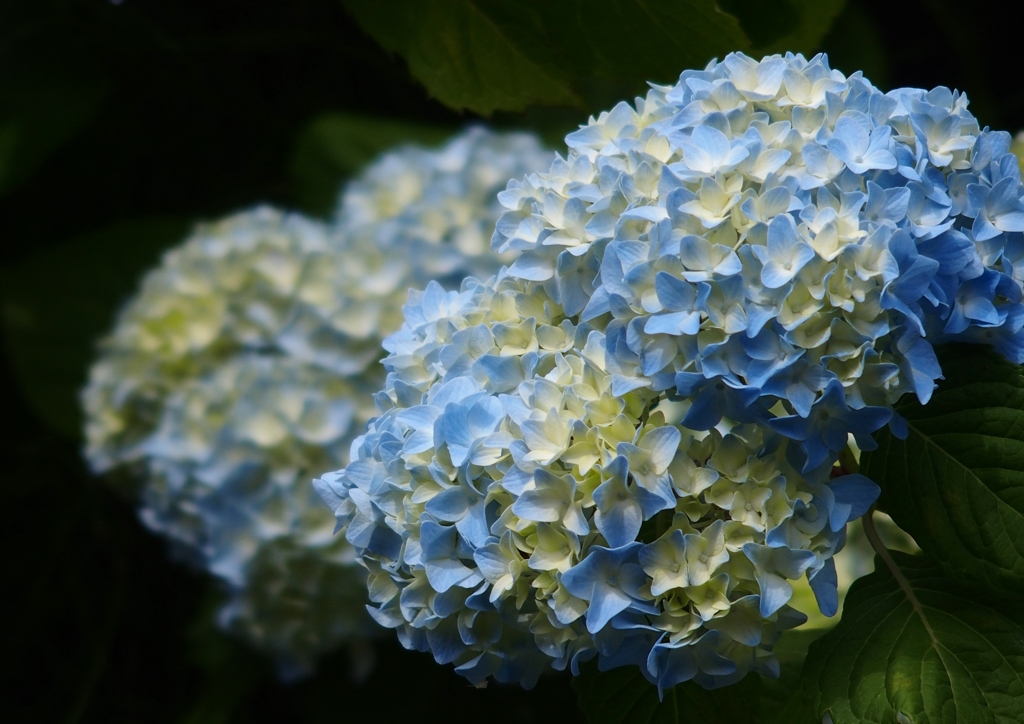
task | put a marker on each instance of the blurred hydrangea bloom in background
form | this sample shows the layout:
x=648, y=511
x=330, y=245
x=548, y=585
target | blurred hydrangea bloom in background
x=414, y=216
x=245, y=365
x=624, y=445
x=1017, y=147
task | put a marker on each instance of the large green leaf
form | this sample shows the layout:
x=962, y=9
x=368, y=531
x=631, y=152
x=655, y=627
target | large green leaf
x=855, y=42
x=913, y=647
x=956, y=484
x=50, y=90
x=53, y=307
x=791, y=651
x=462, y=56
x=486, y=55
x=624, y=696
x=797, y=26
x=37, y=119
x=335, y=146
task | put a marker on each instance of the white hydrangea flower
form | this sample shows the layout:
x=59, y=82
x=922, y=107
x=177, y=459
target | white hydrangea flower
x=227, y=482
x=245, y=365
x=250, y=430
x=233, y=287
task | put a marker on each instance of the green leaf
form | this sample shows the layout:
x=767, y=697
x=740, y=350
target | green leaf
x=463, y=56
x=855, y=42
x=37, y=121
x=799, y=25
x=53, y=307
x=335, y=146
x=1017, y=147
x=791, y=651
x=956, y=484
x=624, y=696
x=232, y=670
x=914, y=648
x=487, y=55
x=765, y=22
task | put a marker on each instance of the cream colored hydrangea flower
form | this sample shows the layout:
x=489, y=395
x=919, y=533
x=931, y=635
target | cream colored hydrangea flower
x=234, y=286
x=414, y=216
x=245, y=366
x=227, y=481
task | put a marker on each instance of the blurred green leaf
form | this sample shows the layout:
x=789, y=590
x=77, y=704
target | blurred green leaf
x=487, y=55
x=464, y=57
x=232, y=670
x=956, y=484
x=855, y=42
x=8, y=144
x=1017, y=147
x=54, y=305
x=37, y=120
x=624, y=696
x=791, y=651
x=335, y=146
x=797, y=26
x=914, y=648
x=765, y=22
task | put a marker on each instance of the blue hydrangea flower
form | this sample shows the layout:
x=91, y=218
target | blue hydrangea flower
x=779, y=205
x=593, y=521
x=244, y=367
x=710, y=294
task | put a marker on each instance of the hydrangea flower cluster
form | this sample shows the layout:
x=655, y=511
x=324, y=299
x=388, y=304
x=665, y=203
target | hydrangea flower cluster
x=244, y=367
x=624, y=444
x=514, y=510
x=772, y=231
x=227, y=473
x=415, y=215
x=232, y=288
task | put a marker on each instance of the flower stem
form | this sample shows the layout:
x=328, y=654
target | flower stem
x=848, y=461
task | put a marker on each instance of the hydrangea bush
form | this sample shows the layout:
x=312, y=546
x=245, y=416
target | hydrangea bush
x=245, y=366
x=624, y=445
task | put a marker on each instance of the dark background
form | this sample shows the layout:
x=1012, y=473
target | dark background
x=186, y=109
